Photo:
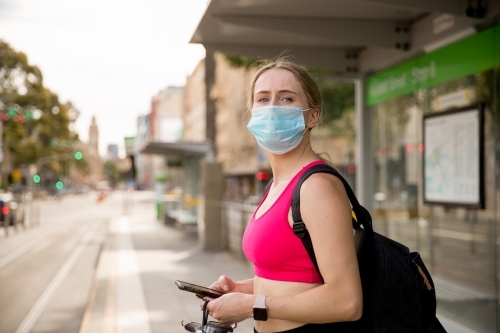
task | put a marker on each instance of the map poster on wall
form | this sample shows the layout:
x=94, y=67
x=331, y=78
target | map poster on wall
x=453, y=157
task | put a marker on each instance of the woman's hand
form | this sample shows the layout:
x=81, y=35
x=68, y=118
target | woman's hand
x=227, y=285
x=231, y=308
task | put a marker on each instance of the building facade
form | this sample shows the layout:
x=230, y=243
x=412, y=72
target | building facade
x=165, y=123
x=112, y=152
x=167, y=120
x=236, y=147
x=143, y=165
x=194, y=105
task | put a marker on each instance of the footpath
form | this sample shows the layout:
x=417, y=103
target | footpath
x=133, y=289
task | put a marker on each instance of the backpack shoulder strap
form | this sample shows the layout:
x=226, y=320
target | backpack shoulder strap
x=361, y=216
x=268, y=186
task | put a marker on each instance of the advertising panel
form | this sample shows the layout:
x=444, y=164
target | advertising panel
x=453, y=157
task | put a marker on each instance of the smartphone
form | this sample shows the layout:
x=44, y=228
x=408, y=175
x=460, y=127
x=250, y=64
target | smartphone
x=199, y=290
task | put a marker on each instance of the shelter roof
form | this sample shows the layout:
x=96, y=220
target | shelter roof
x=180, y=148
x=331, y=34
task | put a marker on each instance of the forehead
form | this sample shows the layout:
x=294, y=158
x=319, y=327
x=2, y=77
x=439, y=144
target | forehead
x=277, y=79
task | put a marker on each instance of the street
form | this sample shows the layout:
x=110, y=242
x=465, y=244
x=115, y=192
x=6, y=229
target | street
x=104, y=267
x=47, y=270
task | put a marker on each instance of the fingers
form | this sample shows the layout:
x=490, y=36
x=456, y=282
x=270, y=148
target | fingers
x=224, y=282
x=228, y=309
x=204, y=299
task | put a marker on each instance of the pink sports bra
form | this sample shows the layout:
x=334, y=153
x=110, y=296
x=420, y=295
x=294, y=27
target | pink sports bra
x=270, y=244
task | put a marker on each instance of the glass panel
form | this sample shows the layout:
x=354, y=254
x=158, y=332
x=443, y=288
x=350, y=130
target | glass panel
x=459, y=241
x=457, y=244
x=396, y=141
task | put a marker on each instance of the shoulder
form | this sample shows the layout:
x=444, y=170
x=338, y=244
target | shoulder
x=323, y=198
x=320, y=184
x=323, y=193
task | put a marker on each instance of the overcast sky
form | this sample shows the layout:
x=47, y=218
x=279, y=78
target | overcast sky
x=108, y=57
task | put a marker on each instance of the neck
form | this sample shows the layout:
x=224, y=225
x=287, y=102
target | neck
x=287, y=165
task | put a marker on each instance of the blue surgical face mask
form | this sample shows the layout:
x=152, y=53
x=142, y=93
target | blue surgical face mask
x=278, y=129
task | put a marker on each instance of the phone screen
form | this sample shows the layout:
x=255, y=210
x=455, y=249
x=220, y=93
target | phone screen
x=186, y=286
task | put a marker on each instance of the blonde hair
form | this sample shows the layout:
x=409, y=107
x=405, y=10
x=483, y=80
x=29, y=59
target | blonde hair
x=306, y=80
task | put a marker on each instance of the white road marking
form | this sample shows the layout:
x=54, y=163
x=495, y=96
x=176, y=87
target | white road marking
x=42, y=302
x=28, y=246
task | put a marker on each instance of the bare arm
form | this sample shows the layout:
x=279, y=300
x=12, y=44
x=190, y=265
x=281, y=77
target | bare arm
x=326, y=211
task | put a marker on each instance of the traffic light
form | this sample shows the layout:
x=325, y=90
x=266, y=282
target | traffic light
x=59, y=185
x=36, y=179
x=262, y=175
x=78, y=155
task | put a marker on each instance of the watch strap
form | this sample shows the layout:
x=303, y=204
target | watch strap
x=260, y=309
x=260, y=301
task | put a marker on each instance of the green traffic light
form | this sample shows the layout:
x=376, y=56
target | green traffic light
x=59, y=185
x=78, y=155
x=36, y=179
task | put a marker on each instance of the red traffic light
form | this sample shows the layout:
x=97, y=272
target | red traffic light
x=5, y=210
x=262, y=175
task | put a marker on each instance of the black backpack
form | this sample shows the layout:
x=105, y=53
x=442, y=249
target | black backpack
x=398, y=291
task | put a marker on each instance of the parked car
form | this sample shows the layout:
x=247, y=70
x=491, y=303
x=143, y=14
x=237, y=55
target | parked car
x=10, y=210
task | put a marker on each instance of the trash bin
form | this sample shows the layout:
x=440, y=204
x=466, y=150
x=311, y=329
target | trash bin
x=159, y=186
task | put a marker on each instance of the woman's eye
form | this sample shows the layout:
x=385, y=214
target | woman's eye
x=261, y=100
x=287, y=99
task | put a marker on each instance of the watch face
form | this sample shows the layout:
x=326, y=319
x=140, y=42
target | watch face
x=260, y=314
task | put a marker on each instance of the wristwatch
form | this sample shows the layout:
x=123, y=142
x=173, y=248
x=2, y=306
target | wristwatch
x=260, y=309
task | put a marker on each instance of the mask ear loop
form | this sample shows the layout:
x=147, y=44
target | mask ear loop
x=306, y=125
x=305, y=129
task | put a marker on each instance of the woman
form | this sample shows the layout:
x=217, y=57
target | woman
x=288, y=293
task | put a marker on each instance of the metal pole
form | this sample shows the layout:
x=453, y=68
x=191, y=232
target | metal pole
x=364, y=148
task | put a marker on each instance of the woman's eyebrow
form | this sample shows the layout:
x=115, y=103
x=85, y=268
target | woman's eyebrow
x=288, y=91
x=280, y=91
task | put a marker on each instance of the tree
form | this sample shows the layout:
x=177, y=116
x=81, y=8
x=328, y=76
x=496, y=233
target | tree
x=32, y=114
x=112, y=173
x=338, y=97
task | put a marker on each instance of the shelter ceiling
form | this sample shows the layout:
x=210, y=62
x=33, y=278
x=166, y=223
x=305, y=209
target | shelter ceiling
x=335, y=28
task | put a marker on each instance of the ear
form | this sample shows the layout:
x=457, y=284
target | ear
x=313, y=118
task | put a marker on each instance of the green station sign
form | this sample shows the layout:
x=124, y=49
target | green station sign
x=474, y=54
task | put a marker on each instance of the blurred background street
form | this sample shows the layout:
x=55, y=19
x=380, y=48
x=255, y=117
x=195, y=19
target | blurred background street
x=125, y=161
